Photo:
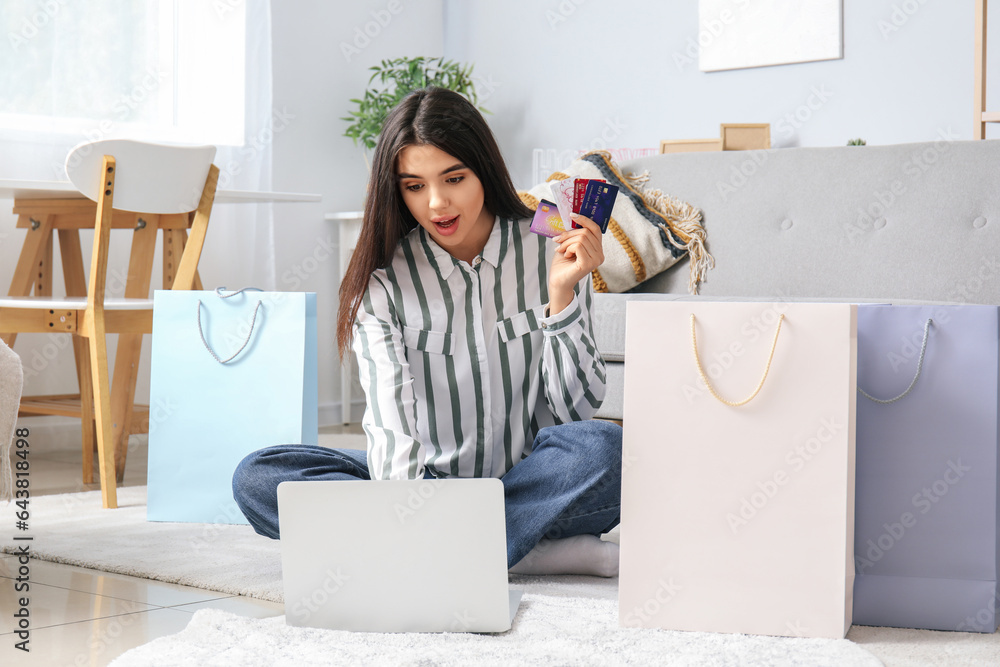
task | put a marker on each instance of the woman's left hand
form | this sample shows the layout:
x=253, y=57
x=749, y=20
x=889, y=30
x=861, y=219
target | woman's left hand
x=578, y=252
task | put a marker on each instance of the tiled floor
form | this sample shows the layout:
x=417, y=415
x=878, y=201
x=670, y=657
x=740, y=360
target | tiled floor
x=87, y=617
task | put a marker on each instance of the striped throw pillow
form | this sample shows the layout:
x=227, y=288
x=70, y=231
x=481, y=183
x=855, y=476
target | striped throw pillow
x=649, y=231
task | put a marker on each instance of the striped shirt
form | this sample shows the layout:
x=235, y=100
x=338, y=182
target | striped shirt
x=461, y=366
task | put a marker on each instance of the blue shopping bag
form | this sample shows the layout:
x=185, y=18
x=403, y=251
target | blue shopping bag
x=230, y=373
x=926, y=512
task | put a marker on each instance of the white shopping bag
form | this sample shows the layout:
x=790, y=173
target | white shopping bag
x=739, y=517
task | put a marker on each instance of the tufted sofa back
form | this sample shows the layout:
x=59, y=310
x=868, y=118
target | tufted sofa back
x=910, y=221
x=902, y=223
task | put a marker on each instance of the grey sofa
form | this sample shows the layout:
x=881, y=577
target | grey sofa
x=901, y=223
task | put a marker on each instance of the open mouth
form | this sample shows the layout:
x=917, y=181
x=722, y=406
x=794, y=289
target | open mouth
x=445, y=224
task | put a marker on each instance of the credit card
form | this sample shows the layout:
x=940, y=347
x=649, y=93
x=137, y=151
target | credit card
x=579, y=189
x=562, y=194
x=598, y=201
x=547, y=221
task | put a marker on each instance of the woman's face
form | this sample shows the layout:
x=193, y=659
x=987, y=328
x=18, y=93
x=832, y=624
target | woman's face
x=446, y=198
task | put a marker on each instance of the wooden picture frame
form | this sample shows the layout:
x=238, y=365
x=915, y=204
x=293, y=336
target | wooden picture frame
x=690, y=145
x=745, y=136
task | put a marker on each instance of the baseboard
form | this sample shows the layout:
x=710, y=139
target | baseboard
x=331, y=414
x=53, y=433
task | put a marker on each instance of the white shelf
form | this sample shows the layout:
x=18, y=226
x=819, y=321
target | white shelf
x=349, y=225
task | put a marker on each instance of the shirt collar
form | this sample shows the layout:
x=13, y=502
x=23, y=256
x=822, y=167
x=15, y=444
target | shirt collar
x=445, y=263
x=491, y=251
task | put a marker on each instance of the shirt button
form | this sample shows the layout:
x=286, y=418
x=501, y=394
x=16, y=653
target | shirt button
x=477, y=261
x=545, y=325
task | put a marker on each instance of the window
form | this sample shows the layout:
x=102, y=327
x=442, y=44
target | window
x=162, y=70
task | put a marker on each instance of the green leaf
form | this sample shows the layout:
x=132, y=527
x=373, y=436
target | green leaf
x=397, y=77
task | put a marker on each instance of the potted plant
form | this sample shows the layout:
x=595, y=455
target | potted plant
x=396, y=78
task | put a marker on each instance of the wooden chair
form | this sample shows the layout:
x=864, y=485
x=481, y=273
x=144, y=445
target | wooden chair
x=139, y=186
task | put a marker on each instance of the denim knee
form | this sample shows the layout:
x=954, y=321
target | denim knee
x=594, y=443
x=246, y=474
x=607, y=440
x=604, y=447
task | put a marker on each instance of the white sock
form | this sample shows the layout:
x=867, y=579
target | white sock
x=579, y=554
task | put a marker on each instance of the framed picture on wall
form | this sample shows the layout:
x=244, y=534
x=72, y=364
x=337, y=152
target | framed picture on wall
x=736, y=34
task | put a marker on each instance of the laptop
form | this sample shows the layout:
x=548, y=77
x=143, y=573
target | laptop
x=425, y=555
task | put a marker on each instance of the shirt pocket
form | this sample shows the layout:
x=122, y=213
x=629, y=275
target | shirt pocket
x=525, y=322
x=425, y=340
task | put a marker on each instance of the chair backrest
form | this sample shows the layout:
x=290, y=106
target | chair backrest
x=151, y=178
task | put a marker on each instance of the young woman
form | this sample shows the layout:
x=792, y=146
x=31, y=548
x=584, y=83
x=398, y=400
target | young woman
x=475, y=347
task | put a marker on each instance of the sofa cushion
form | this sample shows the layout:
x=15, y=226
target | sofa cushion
x=914, y=221
x=649, y=231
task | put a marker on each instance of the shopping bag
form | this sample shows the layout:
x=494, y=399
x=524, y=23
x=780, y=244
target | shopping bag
x=926, y=550
x=231, y=372
x=738, y=516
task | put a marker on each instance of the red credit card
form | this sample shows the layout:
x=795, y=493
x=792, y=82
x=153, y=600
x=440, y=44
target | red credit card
x=580, y=189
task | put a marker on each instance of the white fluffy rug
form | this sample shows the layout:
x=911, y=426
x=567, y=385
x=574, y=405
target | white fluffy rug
x=562, y=620
x=552, y=627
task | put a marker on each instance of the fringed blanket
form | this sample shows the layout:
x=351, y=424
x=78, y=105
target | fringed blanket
x=649, y=230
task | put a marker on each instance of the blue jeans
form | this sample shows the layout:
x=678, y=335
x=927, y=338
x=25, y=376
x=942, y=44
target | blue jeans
x=570, y=484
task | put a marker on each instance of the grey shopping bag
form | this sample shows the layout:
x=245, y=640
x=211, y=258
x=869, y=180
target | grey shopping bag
x=926, y=551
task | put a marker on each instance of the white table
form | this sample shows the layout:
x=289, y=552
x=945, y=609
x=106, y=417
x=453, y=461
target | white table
x=349, y=226
x=19, y=189
x=47, y=208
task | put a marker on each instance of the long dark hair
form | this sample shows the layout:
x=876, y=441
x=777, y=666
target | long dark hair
x=449, y=122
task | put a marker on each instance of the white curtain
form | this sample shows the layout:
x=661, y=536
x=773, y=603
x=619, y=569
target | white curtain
x=239, y=251
x=73, y=71
x=181, y=71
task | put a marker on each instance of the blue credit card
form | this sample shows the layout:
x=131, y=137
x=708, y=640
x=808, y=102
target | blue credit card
x=598, y=201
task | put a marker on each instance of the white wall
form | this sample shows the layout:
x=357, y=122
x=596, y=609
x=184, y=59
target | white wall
x=567, y=72
x=322, y=52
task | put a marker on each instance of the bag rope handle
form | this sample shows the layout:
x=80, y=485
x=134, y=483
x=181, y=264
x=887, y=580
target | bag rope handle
x=704, y=376
x=253, y=323
x=920, y=365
